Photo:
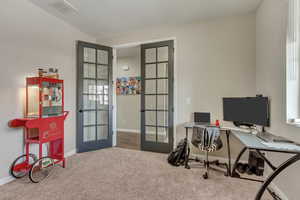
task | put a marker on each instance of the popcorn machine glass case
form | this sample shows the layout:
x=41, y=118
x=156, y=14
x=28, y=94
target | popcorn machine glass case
x=44, y=97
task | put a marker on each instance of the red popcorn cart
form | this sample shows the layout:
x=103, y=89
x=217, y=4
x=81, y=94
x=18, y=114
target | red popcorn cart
x=43, y=125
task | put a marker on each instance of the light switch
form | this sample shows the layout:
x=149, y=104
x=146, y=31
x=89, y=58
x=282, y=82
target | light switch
x=188, y=100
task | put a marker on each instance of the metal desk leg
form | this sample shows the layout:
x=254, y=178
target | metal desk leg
x=233, y=173
x=229, y=153
x=186, y=162
x=274, y=174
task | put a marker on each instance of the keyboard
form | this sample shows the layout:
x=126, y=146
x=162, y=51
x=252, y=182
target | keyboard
x=268, y=137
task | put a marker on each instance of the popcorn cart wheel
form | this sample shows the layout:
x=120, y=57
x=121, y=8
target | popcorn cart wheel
x=41, y=169
x=38, y=169
x=18, y=168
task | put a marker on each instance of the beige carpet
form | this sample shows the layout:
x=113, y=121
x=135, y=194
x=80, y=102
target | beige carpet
x=116, y=173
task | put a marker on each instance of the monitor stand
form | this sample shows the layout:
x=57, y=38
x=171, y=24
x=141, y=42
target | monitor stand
x=239, y=124
x=263, y=135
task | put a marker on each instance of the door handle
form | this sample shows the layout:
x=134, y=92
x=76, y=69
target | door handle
x=142, y=110
x=80, y=111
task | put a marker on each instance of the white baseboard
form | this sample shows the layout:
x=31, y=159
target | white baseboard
x=70, y=153
x=278, y=191
x=6, y=180
x=10, y=178
x=129, y=130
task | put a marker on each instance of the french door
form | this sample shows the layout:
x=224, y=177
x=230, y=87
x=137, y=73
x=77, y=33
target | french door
x=157, y=63
x=94, y=96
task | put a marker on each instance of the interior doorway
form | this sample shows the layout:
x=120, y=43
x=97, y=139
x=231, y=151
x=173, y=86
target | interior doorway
x=125, y=96
x=128, y=98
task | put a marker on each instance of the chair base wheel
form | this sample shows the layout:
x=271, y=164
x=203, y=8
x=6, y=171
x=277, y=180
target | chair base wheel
x=205, y=176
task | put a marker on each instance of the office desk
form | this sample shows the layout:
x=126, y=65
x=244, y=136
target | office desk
x=252, y=142
x=191, y=125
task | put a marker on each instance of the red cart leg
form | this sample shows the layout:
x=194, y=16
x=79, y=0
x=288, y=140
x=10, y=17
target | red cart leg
x=40, y=150
x=27, y=152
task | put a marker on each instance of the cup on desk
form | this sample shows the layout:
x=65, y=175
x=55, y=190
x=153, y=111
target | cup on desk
x=217, y=123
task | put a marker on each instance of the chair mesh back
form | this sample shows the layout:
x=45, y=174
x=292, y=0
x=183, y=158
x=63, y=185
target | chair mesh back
x=206, y=139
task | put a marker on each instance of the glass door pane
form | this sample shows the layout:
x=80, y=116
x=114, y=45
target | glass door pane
x=102, y=132
x=163, y=54
x=150, y=71
x=89, y=71
x=89, y=55
x=89, y=134
x=89, y=118
x=102, y=72
x=150, y=134
x=163, y=135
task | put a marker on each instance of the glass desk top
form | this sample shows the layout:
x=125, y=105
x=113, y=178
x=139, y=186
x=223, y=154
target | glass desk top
x=195, y=124
x=191, y=125
x=251, y=141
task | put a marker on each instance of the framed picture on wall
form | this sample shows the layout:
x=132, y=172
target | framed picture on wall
x=128, y=85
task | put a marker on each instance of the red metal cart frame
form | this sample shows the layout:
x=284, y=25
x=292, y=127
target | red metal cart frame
x=41, y=128
x=50, y=130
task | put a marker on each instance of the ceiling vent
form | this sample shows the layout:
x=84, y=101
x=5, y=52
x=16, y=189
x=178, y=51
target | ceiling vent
x=64, y=7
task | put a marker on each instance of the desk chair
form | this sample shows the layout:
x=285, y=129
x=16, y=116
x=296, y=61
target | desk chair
x=208, y=139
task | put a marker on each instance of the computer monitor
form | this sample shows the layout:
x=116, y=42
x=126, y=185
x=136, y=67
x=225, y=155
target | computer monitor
x=248, y=110
x=202, y=117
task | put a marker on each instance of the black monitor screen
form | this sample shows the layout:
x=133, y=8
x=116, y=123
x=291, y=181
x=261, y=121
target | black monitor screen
x=252, y=110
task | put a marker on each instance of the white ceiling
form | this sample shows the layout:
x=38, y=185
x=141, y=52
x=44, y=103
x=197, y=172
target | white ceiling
x=105, y=18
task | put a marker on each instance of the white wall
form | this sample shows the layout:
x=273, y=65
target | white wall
x=29, y=38
x=129, y=106
x=271, y=26
x=214, y=59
